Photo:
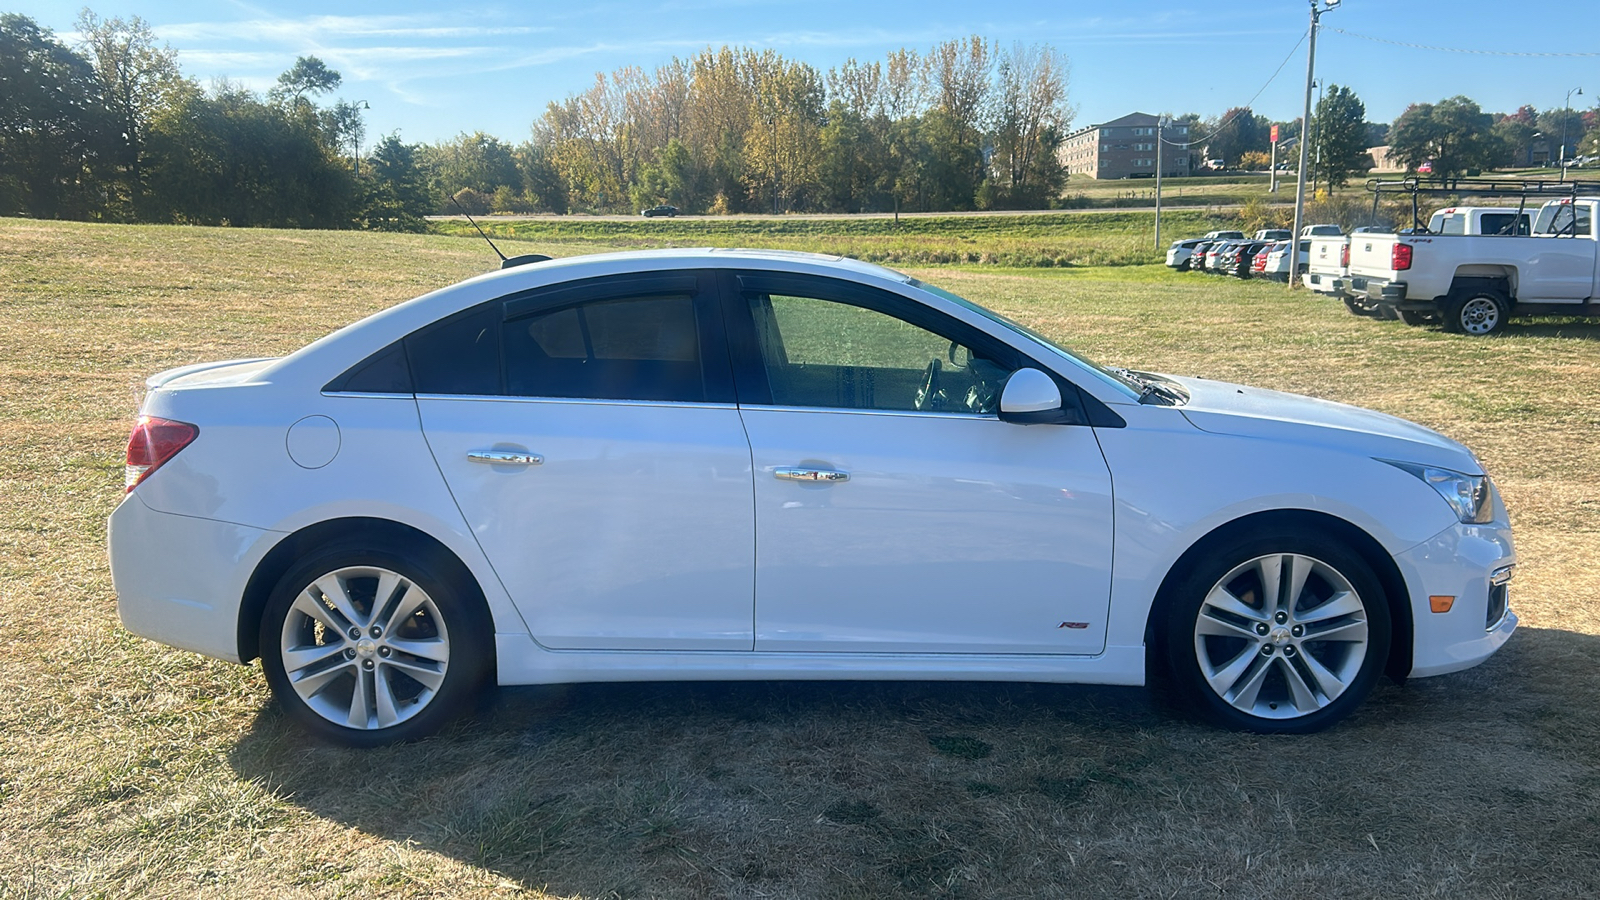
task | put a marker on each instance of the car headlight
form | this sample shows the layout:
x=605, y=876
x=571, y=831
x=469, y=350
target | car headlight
x=1471, y=496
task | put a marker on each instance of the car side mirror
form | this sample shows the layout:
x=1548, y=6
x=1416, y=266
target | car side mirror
x=1031, y=397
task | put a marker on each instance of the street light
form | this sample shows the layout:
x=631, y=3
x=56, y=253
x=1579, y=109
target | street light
x=1567, y=114
x=1305, y=125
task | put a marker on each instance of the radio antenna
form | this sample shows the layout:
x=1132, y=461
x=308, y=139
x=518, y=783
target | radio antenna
x=480, y=230
x=522, y=260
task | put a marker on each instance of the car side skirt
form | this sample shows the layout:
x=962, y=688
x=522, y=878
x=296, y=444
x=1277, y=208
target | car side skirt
x=523, y=661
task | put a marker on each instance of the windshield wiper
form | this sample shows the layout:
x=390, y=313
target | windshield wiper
x=1152, y=389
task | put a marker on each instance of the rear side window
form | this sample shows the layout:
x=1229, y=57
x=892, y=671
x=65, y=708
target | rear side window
x=630, y=348
x=460, y=355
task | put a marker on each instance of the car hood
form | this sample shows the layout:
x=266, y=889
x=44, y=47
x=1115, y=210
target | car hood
x=1222, y=408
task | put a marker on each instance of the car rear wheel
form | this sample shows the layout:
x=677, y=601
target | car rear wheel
x=1278, y=633
x=1481, y=311
x=366, y=647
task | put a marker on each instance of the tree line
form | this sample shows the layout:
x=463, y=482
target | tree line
x=110, y=129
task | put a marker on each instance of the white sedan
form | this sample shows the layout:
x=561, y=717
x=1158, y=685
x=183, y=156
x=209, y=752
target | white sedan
x=711, y=464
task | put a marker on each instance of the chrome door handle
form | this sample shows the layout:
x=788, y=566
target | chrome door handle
x=505, y=457
x=792, y=473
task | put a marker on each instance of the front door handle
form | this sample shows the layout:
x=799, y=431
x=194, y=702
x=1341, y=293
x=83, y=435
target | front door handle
x=506, y=457
x=795, y=473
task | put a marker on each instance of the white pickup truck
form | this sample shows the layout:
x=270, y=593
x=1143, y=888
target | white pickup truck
x=1450, y=220
x=1474, y=283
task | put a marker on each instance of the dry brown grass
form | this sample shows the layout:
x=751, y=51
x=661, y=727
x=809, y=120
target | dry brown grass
x=128, y=769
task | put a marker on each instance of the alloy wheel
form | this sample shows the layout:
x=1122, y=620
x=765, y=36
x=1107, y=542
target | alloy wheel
x=1281, y=636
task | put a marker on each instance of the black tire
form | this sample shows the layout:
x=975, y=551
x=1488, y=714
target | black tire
x=1359, y=307
x=1414, y=318
x=1478, y=311
x=418, y=656
x=1304, y=638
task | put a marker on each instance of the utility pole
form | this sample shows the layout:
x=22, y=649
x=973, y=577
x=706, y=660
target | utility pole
x=1158, y=180
x=1565, y=116
x=1305, y=125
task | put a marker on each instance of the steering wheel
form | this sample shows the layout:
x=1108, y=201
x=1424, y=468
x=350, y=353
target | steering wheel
x=955, y=347
x=930, y=397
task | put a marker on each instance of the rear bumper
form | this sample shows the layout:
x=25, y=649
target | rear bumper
x=180, y=579
x=1323, y=283
x=1462, y=562
x=1389, y=293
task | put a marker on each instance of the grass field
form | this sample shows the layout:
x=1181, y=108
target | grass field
x=130, y=769
x=1041, y=240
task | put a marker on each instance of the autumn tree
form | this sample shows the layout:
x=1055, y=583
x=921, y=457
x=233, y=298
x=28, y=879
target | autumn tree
x=1030, y=115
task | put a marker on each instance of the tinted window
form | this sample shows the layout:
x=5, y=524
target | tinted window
x=460, y=355
x=384, y=372
x=825, y=353
x=636, y=348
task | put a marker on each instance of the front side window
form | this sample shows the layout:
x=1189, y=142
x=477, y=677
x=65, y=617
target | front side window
x=832, y=354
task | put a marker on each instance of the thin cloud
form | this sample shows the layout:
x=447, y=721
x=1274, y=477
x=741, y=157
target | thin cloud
x=333, y=27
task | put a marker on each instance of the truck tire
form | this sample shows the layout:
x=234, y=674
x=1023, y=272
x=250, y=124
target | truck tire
x=1359, y=307
x=1477, y=311
x=1414, y=318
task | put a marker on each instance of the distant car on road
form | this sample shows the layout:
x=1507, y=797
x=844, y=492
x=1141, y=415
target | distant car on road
x=662, y=210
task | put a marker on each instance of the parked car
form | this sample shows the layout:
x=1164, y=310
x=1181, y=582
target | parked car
x=1475, y=283
x=1326, y=230
x=1273, y=234
x=1181, y=253
x=715, y=464
x=1214, y=256
x=670, y=212
x=1244, y=257
x=1276, y=266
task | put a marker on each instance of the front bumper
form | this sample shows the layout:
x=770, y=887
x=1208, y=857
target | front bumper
x=180, y=579
x=1461, y=562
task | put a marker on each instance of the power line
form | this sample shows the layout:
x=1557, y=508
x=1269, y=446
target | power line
x=1379, y=40
x=1248, y=103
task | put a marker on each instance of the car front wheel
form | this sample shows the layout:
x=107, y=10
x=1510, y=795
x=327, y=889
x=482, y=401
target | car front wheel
x=367, y=647
x=1278, y=634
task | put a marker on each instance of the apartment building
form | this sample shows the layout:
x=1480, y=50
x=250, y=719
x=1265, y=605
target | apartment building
x=1125, y=148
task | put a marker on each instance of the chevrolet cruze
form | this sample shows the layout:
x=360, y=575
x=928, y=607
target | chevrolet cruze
x=713, y=464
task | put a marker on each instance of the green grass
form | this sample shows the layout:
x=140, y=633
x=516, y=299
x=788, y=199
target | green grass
x=1038, y=240
x=131, y=769
x=1200, y=190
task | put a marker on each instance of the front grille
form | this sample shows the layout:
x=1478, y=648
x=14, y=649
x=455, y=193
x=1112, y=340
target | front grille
x=1497, y=605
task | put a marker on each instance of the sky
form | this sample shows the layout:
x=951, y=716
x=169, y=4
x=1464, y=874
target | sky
x=430, y=71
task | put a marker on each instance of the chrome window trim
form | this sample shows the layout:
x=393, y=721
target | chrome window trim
x=577, y=401
x=380, y=396
x=939, y=414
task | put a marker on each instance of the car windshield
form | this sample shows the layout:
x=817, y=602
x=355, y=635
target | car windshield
x=1110, y=377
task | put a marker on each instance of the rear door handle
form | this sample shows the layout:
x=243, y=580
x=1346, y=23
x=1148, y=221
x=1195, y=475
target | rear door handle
x=794, y=473
x=506, y=457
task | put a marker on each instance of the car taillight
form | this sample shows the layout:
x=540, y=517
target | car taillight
x=1344, y=255
x=1400, y=257
x=153, y=442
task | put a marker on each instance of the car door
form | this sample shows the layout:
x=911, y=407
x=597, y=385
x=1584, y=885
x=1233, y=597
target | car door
x=589, y=436
x=895, y=512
